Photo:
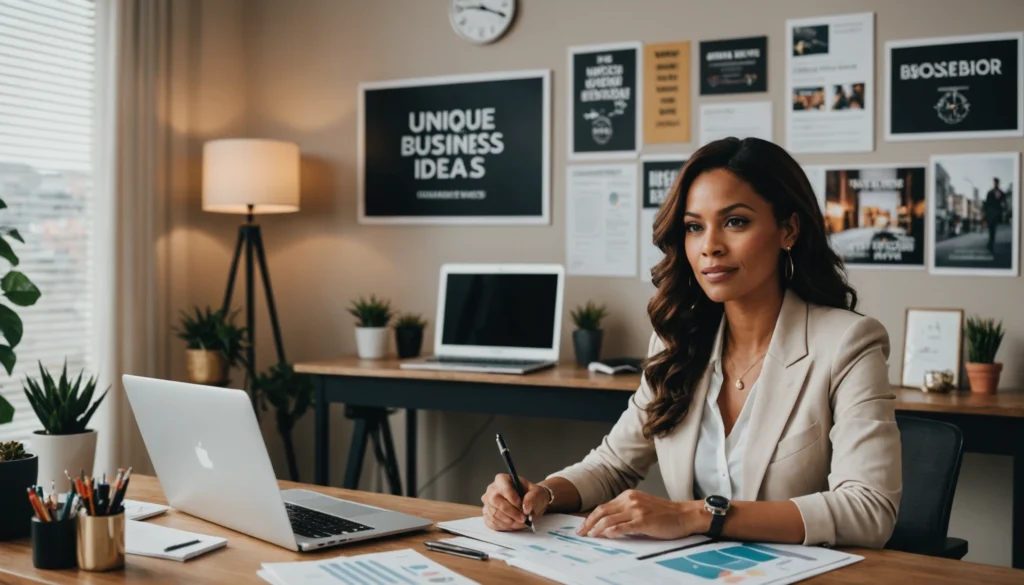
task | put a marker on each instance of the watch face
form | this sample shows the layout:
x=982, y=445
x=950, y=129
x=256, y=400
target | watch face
x=718, y=502
x=481, y=21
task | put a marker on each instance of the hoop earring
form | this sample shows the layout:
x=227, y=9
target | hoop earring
x=790, y=269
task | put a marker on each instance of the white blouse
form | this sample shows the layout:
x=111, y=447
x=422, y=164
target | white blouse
x=718, y=460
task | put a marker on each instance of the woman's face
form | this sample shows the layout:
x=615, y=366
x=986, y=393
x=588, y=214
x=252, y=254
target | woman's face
x=733, y=240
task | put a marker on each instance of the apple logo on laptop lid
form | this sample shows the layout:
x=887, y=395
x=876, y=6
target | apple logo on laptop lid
x=203, y=456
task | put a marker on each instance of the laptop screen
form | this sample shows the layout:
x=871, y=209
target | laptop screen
x=500, y=310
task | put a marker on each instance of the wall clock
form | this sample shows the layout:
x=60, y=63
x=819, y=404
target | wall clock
x=481, y=21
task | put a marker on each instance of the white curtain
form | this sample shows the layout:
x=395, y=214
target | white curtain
x=143, y=131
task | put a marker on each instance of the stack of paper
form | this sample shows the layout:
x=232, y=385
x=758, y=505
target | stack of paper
x=405, y=567
x=555, y=552
x=153, y=540
x=136, y=510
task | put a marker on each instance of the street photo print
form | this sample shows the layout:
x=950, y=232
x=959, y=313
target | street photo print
x=974, y=208
x=874, y=214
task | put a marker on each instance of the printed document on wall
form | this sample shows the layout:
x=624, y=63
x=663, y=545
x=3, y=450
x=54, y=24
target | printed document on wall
x=601, y=220
x=830, y=72
x=658, y=174
x=739, y=119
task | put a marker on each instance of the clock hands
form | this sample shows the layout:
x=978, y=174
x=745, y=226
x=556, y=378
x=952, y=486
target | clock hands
x=482, y=8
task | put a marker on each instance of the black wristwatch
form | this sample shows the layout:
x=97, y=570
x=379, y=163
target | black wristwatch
x=718, y=506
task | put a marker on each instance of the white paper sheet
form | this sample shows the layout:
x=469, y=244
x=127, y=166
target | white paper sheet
x=136, y=510
x=746, y=563
x=830, y=76
x=150, y=540
x=405, y=566
x=601, y=220
x=739, y=119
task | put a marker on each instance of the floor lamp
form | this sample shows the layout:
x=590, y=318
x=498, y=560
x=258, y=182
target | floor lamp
x=251, y=177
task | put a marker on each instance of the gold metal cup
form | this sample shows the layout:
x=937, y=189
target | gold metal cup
x=100, y=542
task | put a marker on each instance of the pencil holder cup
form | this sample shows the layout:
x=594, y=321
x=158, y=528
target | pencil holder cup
x=100, y=542
x=53, y=544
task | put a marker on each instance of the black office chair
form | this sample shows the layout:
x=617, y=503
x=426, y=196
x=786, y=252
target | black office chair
x=932, y=453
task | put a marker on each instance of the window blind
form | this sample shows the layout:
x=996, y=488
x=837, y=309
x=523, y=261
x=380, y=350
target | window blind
x=47, y=111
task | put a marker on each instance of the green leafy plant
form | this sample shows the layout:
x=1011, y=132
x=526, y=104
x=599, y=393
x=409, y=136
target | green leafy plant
x=62, y=406
x=291, y=395
x=17, y=290
x=410, y=321
x=213, y=331
x=371, y=313
x=983, y=339
x=589, y=316
x=12, y=451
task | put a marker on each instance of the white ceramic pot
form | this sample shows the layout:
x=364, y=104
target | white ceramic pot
x=372, y=342
x=57, y=453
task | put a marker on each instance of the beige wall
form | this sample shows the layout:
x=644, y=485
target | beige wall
x=288, y=69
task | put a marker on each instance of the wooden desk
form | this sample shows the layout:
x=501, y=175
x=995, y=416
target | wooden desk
x=238, y=562
x=991, y=424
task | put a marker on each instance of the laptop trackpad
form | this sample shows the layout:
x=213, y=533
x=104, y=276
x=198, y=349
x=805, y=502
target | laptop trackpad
x=327, y=504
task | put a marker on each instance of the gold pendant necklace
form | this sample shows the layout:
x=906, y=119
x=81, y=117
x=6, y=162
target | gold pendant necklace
x=739, y=381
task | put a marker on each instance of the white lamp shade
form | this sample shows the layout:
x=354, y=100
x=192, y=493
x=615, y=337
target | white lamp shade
x=243, y=172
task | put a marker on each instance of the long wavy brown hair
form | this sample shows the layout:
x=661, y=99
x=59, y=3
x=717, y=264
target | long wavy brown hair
x=684, y=318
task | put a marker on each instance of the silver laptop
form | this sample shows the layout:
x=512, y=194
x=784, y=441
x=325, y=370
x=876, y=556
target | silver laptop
x=209, y=455
x=498, y=318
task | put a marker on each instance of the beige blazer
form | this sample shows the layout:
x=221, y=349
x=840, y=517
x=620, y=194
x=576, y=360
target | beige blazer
x=822, y=431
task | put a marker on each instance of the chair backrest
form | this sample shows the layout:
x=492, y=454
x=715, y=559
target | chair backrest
x=932, y=453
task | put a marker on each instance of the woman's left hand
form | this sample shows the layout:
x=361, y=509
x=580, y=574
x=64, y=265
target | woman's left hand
x=634, y=512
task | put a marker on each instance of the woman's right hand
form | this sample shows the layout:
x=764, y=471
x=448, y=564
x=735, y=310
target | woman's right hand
x=503, y=509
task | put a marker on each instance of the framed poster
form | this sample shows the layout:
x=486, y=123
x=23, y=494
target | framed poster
x=466, y=149
x=734, y=66
x=933, y=340
x=658, y=175
x=955, y=87
x=830, y=76
x=605, y=117
x=974, y=210
x=875, y=214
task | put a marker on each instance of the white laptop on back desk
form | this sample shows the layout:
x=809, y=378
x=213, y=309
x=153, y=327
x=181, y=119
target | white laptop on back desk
x=497, y=318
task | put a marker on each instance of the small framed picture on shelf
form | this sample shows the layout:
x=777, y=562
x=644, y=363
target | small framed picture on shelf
x=933, y=341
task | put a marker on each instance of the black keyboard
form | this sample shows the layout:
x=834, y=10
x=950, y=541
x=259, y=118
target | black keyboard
x=484, y=361
x=313, y=524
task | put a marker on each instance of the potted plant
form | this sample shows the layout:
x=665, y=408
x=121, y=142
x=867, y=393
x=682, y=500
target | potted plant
x=586, y=340
x=983, y=339
x=215, y=345
x=373, y=316
x=18, y=469
x=290, y=394
x=409, y=335
x=64, y=407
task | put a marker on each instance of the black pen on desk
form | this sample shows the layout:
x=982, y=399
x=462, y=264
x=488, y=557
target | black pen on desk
x=181, y=545
x=459, y=551
x=507, y=456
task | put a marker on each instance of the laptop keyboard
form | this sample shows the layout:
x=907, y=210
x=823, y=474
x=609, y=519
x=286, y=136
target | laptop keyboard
x=313, y=524
x=483, y=361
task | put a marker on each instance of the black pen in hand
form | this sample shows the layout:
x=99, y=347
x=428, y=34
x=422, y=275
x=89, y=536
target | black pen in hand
x=507, y=456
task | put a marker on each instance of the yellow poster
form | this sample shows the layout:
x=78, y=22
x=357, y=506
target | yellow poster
x=667, y=92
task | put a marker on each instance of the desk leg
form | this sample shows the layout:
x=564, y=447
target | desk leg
x=410, y=452
x=321, y=410
x=1018, y=509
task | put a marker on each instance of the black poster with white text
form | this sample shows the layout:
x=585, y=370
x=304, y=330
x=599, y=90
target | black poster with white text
x=457, y=150
x=951, y=88
x=734, y=66
x=604, y=101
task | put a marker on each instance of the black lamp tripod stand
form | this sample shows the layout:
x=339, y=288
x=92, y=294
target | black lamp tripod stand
x=251, y=238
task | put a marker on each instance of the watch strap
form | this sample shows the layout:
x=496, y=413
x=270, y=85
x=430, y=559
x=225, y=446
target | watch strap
x=717, y=522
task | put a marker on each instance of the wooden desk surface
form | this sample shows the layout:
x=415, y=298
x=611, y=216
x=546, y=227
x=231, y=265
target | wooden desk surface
x=240, y=559
x=568, y=375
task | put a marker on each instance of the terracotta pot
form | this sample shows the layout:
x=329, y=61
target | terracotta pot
x=984, y=378
x=206, y=367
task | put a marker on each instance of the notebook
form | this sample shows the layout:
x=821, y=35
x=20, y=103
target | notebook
x=136, y=510
x=152, y=540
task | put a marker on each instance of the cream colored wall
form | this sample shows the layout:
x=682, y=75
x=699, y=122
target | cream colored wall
x=288, y=69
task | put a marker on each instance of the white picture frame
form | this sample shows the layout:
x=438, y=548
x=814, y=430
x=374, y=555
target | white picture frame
x=932, y=340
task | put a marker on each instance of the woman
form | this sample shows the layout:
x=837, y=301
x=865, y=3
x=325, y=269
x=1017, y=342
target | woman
x=765, y=398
